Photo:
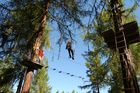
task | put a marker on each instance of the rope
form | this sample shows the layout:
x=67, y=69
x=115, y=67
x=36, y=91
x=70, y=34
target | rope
x=67, y=73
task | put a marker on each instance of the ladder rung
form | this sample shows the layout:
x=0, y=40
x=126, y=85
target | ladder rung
x=122, y=53
x=121, y=28
x=121, y=31
x=121, y=47
x=120, y=41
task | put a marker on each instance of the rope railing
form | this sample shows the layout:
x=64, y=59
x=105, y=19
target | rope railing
x=66, y=73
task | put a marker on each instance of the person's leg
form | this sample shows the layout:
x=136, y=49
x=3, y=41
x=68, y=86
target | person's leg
x=72, y=54
x=69, y=53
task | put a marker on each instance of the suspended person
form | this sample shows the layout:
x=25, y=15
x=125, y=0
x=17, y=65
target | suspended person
x=69, y=48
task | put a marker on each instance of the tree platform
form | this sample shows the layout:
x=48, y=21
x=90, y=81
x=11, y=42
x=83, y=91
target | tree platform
x=131, y=34
x=31, y=64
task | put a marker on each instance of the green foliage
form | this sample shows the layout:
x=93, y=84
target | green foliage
x=62, y=92
x=21, y=22
x=73, y=91
x=98, y=70
x=135, y=51
x=9, y=73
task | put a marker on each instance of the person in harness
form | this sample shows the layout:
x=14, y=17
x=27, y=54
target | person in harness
x=70, y=50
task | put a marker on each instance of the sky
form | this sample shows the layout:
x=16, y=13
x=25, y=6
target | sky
x=77, y=67
x=64, y=63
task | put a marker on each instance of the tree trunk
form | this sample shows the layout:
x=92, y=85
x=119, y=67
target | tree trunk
x=28, y=80
x=36, y=46
x=130, y=81
x=128, y=73
x=98, y=88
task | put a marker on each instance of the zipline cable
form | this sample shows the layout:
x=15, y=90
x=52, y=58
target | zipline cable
x=67, y=73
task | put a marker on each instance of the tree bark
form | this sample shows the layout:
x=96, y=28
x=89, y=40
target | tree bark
x=128, y=73
x=36, y=46
x=28, y=80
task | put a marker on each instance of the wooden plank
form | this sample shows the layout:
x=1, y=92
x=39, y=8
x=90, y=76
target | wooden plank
x=130, y=27
x=108, y=34
x=30, y=64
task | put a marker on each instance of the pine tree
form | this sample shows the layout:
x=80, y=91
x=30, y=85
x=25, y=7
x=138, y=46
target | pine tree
x=57, y=91
x=73, y=91
x=62, y=92
x=109, y=71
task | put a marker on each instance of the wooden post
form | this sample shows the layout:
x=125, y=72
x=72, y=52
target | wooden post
x=36, y=46
x=28, y=80
x=98, y=89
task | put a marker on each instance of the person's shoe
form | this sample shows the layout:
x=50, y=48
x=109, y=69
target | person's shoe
x=73, y=58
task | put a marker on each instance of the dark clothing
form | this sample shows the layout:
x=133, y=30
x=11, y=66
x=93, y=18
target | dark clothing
x=68, y=46
x=71, y=53
x=70, y=50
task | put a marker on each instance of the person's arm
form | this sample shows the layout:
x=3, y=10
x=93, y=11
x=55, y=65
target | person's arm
x=66, y=46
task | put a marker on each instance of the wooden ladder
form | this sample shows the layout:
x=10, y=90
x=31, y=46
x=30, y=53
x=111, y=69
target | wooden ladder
x=121, y=45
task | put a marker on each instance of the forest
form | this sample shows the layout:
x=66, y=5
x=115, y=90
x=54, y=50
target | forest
x=99, y=41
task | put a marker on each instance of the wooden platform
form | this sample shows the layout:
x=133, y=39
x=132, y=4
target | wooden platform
x=131, y=33
x=32, y=65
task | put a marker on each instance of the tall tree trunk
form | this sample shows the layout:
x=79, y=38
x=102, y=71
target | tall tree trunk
x=128, y=73
x=98, y=90
x=36, y=46
x=28, y=80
